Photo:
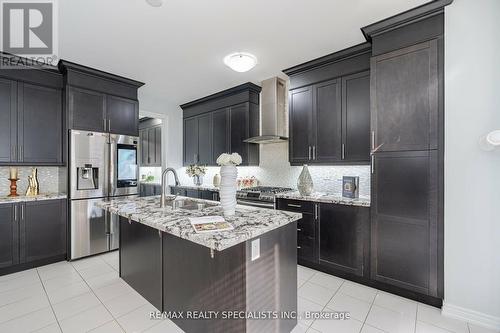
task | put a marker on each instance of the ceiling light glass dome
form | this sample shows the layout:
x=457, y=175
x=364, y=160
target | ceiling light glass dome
x=240, y=61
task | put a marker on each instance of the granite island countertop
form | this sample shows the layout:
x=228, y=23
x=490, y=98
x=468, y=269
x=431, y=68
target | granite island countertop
x=248, y=223
x=325, y=198
x=22, y=198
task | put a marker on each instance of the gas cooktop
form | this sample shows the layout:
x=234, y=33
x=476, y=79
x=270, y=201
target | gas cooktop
x=261, y=193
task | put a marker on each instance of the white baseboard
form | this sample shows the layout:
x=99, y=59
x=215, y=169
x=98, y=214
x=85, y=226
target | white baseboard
x=471, y=316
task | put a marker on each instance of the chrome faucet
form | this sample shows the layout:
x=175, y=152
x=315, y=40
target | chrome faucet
x=164, y=184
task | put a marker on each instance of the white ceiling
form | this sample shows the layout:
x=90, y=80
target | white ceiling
x=177, y=49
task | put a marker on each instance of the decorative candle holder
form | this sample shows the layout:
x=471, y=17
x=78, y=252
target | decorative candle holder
x=13, y=187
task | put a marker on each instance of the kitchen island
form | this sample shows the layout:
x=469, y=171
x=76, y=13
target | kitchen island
x=241, y=280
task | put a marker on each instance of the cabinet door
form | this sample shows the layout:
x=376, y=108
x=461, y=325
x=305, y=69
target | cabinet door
x=342, y=231
x=190, y=141
x=404, y=220
x=205, y=139
x=356, y=117
x=301, y=114
x=122, y=115
x=220, y=133
x=404, y=98
x=157, y=145
x=327, y=129
x=43, y=229
x=239, y=130
x=87, y=110
x=8, y=121
x=193, y=193
x=9, y=235
x=144, y=140
x=40, y=130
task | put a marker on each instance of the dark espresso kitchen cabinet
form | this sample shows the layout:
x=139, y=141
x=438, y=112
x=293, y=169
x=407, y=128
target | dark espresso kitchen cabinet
x=87, y=109
x=405, y=98
x=42, y=230
x=220, y=133
x=9, y=235
x=122, y=115
x=40, y=131
x=221, y=123
x=32, y=234
x=329, y=109
x=150, y=144
x=301, y=114
x=356, y=117
x=198, y=140
x=8, y=121
x=307, y=228
x=343, y=235
x=405, y=220
x=99, y=101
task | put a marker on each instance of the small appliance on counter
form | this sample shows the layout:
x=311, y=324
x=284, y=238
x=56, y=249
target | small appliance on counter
x=350, y=187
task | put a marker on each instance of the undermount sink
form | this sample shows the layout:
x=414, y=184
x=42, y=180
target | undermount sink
x=188, y=204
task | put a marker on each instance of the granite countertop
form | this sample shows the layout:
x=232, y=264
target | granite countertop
x=150, y=183
x=249, y=222
x=326, y=198
x=42, y=196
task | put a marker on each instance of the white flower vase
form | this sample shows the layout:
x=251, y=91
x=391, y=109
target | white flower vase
x=227, y=191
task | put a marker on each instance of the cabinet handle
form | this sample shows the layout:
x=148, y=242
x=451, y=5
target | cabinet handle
x=372, y=163
x=104, y=123
x=294, y=205
x=316, y=213
x=373, y=140
x=109, y=125
x=314, y=152
x=15, y=213
x=343, y=150
x=22, y=212
x=299, y=230
x=299, y=247
x=310, y=152
x=20, y=152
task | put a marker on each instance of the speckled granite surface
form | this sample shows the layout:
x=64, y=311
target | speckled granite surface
x=202, y=187
x=326, y=198
x=249, y=222
x=22, y=198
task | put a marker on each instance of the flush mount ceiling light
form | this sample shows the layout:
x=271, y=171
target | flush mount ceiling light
x=155, y=3
x=240, y=61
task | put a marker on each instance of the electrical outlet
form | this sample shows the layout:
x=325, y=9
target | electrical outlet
x=256, y=249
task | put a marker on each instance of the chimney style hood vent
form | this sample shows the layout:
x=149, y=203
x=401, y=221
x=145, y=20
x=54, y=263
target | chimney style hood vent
x=273, y=115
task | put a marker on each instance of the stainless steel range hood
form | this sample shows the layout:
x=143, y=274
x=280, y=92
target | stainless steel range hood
x=273, y=115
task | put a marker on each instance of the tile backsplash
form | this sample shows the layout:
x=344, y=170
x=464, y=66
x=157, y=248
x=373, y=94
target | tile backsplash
x=47, y=176
x=275, y=170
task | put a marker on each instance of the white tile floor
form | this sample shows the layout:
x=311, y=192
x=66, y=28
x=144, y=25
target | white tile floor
x=88, y=296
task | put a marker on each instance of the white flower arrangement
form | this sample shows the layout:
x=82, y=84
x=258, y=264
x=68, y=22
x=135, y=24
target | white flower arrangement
x=196, y=170
x=229, y=159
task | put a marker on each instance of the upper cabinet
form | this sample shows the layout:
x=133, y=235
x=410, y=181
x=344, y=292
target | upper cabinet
x=31, y=117
x=329, y=109
x=150, y=142
x=99, y=101
x=220, y=123
x=405, y=98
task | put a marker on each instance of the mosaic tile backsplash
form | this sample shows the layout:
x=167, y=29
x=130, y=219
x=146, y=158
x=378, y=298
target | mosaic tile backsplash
x=275, y=170
x=47, y=176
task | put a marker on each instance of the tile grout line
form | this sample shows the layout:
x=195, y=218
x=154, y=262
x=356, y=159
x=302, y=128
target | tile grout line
x=48, y=300
x=100, y=301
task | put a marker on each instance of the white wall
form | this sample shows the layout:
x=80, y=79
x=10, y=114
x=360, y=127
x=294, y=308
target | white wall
x=172, y=141
x=472, y=177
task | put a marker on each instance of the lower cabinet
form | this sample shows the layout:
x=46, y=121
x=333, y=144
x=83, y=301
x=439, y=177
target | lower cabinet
x=331, y=236
x=148, y=190
x=307, y=228
x=343, y=237
x=31, y=232
x=9, y=236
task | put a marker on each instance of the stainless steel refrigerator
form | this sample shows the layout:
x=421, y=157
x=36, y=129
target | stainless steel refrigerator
x=102, y=166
